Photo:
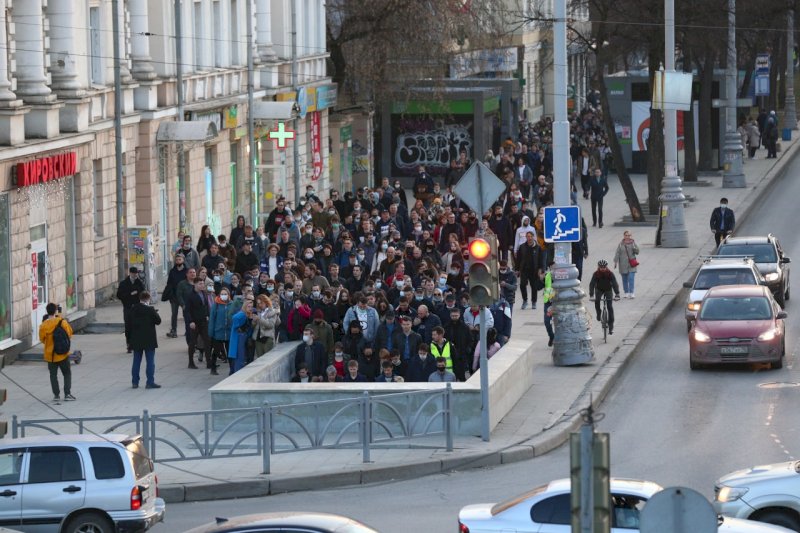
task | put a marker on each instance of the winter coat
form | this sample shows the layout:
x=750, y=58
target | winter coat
x=753, y=135
x=522, y=231
x=373, y=321
x=219, y=323
x=240, y=331
x=46, y=336
x=144, y=320
x=623, y=253
x=267, y=324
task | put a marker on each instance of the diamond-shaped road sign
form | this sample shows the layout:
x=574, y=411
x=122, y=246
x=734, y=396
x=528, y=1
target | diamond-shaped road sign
x=479, y=187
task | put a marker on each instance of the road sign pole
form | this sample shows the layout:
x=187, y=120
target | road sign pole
x=733, y=173
x=572, y=344
x=485, y=431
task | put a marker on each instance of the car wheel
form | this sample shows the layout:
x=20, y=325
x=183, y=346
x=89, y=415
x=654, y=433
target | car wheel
x=89, y=523
x=777, y=365
x=787, y=519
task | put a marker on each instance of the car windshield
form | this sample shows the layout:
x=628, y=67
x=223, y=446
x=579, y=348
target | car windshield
x=762, y=253
x=713, y=277
x=756, y=308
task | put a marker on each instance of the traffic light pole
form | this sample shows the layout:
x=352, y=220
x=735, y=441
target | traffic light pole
x=485, y=431
x=572, y=344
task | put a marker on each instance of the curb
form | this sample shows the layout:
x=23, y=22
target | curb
x=596, y=390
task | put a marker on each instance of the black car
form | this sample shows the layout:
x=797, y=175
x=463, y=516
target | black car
x=768, y=256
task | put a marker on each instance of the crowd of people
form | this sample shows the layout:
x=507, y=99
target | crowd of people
x=374, y=283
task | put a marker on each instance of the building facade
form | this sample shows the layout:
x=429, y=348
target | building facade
x=59, y=229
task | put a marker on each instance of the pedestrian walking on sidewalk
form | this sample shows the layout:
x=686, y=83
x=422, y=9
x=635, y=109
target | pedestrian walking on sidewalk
x=625, y=260
x=56, y=350
x=144, y=318
x=528, y=268
x=177, y=274
x=197, y=311
x=753, y=137
x=770, y=135
x=723, y=221
x=128, y=293
x=598, y=188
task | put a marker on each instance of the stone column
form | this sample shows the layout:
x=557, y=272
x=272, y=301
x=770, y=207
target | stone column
x=124, y=73
x=63, y=51
x=31, y=77
x=264, y=31
x=140, y=43
x=6, y=95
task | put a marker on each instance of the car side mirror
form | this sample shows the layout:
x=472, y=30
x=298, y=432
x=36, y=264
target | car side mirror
x=785, y=260
x=781, y=315
x=687, y=284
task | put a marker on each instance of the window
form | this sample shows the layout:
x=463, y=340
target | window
x=107, y=463
x=10, y=466
x=142, y=465
x=626, y=511
x=6, y=318
x=95, y=47
x=49, y=465
x=97, y=196
x=555, y=510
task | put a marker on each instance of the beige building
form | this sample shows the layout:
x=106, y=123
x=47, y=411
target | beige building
x=59, y=228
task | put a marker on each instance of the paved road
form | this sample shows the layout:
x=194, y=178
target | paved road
x=667, y=424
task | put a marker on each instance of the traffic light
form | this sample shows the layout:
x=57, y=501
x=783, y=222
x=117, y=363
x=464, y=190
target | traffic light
x=598, y=453
x=483, y=283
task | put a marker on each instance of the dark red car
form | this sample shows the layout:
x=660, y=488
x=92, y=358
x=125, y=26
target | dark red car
x=738, y=324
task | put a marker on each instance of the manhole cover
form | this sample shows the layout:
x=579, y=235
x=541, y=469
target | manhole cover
x=778, y=385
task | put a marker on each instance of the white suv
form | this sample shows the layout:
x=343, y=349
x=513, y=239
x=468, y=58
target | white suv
x=78, y=484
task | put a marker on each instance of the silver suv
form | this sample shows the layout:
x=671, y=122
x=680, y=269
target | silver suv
x=78, y=484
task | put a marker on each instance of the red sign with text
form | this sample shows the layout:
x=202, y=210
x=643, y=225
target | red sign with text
x=46, y=169
x=316, y=144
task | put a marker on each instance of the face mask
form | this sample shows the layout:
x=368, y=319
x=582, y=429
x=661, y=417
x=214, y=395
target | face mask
x=423, y=355
x=263, y=237
x=397, y=185
x=335, y=226
x=400, y=282
x=223, y=244
x=315, y=294
x=309, y=256
x=217, y=279
x=503, y=270
x=417, y=229
x=377, y=284
x=339, y=355
x=235, y=282
x=187, y=246
x=723, y=206
x=418, y=298
x=306, y=338
x=289, y=294
x=361, y=257
x=442, y=281
x=384, y=247
x=224, y=297
x=344, y=299
x=402, y=293
x=438, y=299
x=210, y=289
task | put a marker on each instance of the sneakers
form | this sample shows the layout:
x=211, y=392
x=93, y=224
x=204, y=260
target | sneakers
x=135, y=386
x=631, y=296
x=533, y=305
x=214, y=372
x=192, y=365
x=200, y=358
x=57, y=399
x=610, y=331
x=69, y=398
x=152, y=386
x=525, y=304
x=550, y=342
x=172, y=334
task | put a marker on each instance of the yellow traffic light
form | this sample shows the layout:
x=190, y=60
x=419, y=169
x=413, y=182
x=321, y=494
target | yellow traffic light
x=483, y=282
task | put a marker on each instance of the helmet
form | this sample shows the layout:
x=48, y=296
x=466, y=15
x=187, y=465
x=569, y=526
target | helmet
x=602, y=263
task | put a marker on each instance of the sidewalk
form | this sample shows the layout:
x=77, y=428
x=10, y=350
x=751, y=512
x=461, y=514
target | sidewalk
x=541, y=420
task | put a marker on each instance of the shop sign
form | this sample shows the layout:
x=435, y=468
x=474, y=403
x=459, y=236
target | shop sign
x=326, y=96
x=306, y=98
x=231, y=115
x=316, y=144
x=45, y=169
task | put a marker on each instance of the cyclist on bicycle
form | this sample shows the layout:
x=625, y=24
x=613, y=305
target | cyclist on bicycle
x=604, y=282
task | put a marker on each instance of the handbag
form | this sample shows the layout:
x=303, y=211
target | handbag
x=167, y=293
x=632, y=261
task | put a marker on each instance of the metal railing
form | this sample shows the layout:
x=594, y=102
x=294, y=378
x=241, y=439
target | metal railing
x=368, y=422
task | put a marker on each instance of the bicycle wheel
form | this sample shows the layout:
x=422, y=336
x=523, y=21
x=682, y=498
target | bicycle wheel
x=604, y=320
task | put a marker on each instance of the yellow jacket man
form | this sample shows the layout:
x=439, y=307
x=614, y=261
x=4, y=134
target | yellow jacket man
x=56, y=361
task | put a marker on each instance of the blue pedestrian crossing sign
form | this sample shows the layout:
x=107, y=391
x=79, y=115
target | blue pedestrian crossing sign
x=562, y=224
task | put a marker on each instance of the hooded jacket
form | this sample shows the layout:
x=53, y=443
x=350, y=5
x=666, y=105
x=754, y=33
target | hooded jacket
x=519, y=238
x=46, y=336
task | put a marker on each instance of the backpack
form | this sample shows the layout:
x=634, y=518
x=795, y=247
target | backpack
x=61, y=341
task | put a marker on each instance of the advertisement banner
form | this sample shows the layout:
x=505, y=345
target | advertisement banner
x=316, y=144
x=640, y=122
x=429, y=140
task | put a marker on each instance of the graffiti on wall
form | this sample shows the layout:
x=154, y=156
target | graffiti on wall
x=432, y=142
x=360, y=157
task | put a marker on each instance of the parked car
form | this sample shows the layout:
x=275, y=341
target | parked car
x=78, y=484
x=716, y=271
x=547, y=509
x=768, y=493
x=738, y=324
x=768, y=256
x=285, y=522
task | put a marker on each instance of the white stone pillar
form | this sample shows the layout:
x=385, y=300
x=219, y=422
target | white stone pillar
x=6, y=95
x=31, y=78
x=63, y=46
x=264, y=29
x=124, y=73
x=140, y=43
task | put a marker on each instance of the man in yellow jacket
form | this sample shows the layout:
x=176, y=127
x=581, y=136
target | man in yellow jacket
x=56, y=361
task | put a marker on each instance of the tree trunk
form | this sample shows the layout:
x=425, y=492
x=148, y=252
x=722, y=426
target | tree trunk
x=655, y=160
x=706, y=69
x=777, y=44
x=616, y=150
x=689, y=151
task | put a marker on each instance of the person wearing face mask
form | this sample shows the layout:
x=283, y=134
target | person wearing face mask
x=520, y=236
x=501, y=227
x=176, y=275
x=219, y=329
x=442, y=375
x=323, y=333
x=128, y=293
x=241, y=330
x=508, y=283
x=311, y=353
x=227, y=251
x=401, y=193
x=191, y=257
x=143, y=340
x=723, y=221
x=265, y=323
x=196, y=312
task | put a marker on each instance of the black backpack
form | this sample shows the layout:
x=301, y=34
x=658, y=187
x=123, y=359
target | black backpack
x=61, y=342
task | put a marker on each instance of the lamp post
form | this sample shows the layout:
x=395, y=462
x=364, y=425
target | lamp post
x=789, y=110
x=572, y=344
x=673, y=224
x=733, y=176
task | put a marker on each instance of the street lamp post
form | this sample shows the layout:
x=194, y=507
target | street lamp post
x=789, y=110
x=673, y=224
x=572, y=344
x=733, y=175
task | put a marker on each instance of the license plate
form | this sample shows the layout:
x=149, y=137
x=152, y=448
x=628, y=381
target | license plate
x=733, y=349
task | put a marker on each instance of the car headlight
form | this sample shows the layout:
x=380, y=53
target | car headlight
x=772, y=276
x=693, y=306
x=730, y=494
x=768, y=335
x=699, y=336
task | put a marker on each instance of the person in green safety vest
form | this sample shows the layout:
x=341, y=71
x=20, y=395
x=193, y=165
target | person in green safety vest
x=441, y=347
x=547, y=297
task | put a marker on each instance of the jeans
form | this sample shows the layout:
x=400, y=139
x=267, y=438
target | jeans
x=66, y=371
x=150, y=366
x=525, y=279
x=173, y=320
x=597, y=210
x=548, y=321
x=628, y=282
x=578, y=261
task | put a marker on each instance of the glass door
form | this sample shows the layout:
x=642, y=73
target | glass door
x=38, y=286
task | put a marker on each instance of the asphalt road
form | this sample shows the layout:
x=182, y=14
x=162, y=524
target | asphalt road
x=667, y=424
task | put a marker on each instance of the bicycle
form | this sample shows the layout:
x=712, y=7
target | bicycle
x=604, y=316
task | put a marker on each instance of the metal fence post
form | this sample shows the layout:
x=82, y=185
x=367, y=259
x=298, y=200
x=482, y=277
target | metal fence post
x=266, y=438
x=148, y=443
x=448, y=417
x=366, y=422
x=14, y=427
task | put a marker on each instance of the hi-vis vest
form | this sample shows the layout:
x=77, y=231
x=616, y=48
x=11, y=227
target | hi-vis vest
x=444, y=353
x=548, y=292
